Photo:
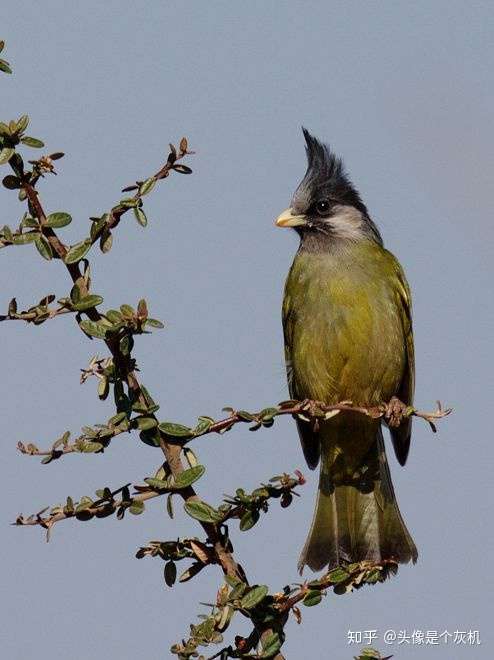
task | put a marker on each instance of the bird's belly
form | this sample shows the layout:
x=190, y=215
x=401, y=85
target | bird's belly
x=347, y=350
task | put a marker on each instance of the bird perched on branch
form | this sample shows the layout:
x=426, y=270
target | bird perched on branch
x=348, y=337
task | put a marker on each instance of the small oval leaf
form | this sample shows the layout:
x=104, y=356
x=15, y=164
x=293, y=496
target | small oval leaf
x=93, y=329
x=32, y=142
x=78, y=251
x=147, y=186
x=202, y=511
x=87, y=302
x=5, y=154
x=28, y=237
x=43, y=247
x=188, y=477
x=170, y=573
x=248, y=520
x=58, y=220
x=176, y=430
x=140, y=216
x=312, y=598
x=254, y=596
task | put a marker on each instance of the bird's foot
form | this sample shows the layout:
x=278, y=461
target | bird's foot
x=395, y=412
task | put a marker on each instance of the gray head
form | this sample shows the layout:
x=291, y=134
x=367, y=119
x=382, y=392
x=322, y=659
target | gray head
x=326, y=205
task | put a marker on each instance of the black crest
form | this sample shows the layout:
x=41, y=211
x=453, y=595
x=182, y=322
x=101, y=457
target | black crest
x=322, y=163
x=326, y=174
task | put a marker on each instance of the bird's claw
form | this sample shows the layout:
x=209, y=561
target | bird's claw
x=395, y=412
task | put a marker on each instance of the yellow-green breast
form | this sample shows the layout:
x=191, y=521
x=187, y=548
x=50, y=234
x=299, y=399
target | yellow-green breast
x=344, y=314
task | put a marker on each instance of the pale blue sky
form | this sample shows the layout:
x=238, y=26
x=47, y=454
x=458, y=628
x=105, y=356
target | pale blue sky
x=404, y=92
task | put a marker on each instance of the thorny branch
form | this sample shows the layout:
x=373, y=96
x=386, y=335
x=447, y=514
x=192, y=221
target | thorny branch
x=309, y=410
x=242, y=506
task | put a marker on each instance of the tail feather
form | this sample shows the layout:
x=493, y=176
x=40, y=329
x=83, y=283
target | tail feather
x=357, y=520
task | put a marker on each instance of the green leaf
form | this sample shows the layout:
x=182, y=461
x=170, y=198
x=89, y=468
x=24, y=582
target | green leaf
x=90, y=447
x=248, y=520
x=183, y=169
x=233, y=580
x=203, y=425
x=5, y=67
x=58, y=220
x=312, y=597
x=28, y=237
x=154, y=323
x=32, y=142
x=88, y=302
x=126, y=344
x=156, y=483
x=190, y=457
x=170, y=573
x=169, y=505
x=176, y=430
x=137, y=507
x=150, y=438
x=142, y=309
x=84, y=503
x=128, y=203
x=369, y=652
x=29, y=222
x=271, y=645
x=11, y=182
x=97, y=227
x=246, y=416
x=191, y=572
x=238, y=591
x=254, y=596
x=146, y=423
x=269, y=412
x=116, y=419
x=114, y=316
x=188, y=477
x=140, y=216
x=93, y=328
x=106, y=241
x=338, y=575
x=127, y=311
x=44, y=247
x=202, y=511
x=5, y=154
x=22, y=124
x=78, y=251
x=147, y=186
x=373, y=576
x=103, y=388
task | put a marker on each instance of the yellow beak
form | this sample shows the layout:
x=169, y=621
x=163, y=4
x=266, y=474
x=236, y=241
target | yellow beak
x=289, y=219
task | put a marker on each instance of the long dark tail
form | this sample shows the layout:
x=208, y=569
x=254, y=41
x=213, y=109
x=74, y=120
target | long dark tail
x=357, y=519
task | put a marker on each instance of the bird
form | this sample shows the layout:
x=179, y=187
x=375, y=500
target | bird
x=348, y=336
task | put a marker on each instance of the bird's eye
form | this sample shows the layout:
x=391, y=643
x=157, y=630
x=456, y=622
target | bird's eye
x=322, y=207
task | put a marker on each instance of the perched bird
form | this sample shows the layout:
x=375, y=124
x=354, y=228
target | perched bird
x=348, y=337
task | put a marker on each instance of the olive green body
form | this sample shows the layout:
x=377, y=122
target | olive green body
x=348, y=337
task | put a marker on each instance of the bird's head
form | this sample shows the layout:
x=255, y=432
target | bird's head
x=325, y=205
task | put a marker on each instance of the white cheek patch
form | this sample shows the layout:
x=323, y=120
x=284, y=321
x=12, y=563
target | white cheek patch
x=347, y=222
